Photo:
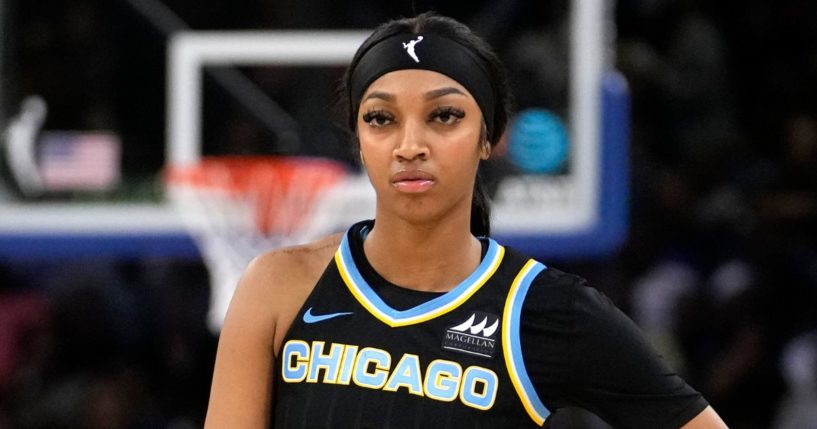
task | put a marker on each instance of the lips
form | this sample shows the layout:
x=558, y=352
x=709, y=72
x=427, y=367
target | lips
x=413, y=181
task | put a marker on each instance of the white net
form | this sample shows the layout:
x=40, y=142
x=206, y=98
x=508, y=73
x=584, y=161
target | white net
x=238, y=208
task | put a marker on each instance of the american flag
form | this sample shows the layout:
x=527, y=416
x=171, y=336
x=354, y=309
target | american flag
x=79, y=161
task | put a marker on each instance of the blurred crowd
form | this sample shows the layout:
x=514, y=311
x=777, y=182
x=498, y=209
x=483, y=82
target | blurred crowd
x=104, y=344
x=719, y=270
x=722, y=255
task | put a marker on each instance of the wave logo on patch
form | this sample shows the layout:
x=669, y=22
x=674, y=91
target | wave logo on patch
x=475, y=336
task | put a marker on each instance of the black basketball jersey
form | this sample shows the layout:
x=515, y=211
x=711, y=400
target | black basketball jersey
x=364, y=353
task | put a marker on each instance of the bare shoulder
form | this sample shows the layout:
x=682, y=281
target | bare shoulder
x=276, y=283
x=283, y=269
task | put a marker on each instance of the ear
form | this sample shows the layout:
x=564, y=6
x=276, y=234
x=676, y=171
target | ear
x=485, y=150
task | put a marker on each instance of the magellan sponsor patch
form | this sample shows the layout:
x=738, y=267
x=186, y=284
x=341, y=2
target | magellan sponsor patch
x=475, y=335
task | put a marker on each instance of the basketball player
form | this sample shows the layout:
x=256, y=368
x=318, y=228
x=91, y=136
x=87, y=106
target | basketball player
x=417, y=318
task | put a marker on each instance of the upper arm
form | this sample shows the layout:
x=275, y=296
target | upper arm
x=628, y=382
x=241, y=389
x=267, y=298
x=594, y=357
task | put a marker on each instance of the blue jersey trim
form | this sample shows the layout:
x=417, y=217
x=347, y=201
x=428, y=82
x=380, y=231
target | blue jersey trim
x=430, y=309
x=512, y=342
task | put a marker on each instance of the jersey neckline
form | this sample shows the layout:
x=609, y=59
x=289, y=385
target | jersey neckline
x=434, y=307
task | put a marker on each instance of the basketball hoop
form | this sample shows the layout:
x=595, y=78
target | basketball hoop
x=236, y=208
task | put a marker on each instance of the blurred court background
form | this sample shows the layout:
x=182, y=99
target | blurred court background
x=108, y=328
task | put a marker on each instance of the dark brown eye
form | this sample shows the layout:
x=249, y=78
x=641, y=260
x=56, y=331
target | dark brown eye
x=377, y=118
x=447, y=115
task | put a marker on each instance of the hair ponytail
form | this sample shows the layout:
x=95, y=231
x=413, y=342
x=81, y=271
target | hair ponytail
x=480, y=210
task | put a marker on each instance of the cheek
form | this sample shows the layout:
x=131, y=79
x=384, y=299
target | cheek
x=375, y=158
x=371, y=150
x=462, y=152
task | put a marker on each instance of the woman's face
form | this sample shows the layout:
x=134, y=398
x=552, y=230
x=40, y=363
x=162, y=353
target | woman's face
x=419, y=135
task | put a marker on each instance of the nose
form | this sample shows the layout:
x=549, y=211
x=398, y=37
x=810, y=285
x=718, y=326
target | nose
x=412, y=144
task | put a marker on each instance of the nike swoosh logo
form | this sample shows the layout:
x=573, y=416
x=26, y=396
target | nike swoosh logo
x=314, y=318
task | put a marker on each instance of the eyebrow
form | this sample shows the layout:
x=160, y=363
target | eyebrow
x=430, y=95
x=385, y=96
x=437, y=93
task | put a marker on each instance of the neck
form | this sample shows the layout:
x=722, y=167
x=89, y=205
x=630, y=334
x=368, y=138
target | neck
x=431, y=256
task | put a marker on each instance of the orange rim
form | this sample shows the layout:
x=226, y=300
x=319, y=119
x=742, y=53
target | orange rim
x=282, y=189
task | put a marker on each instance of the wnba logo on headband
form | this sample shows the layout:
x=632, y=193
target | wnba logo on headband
x=409, y=47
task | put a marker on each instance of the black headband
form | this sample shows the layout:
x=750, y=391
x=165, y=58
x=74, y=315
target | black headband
x=426, y=52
